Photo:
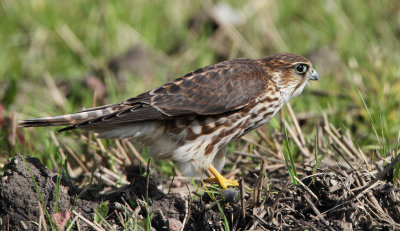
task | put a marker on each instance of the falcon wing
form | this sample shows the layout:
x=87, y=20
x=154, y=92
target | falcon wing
x=211, y=90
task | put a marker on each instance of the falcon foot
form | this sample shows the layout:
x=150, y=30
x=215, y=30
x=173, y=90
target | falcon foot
x=219, y=179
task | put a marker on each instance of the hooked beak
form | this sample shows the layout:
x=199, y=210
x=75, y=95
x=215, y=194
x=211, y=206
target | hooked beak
x=314, y=75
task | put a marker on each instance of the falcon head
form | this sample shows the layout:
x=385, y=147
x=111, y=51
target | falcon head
x=290, y=73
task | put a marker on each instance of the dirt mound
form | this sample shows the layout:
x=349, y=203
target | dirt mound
x=19, y=203
x=20, y=209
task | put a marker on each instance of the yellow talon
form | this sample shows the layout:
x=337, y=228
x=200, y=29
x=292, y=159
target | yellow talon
x=219, y=179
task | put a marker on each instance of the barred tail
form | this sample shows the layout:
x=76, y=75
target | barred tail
x=71, y=119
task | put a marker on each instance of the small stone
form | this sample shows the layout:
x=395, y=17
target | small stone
x=333, y=182
x=60, y=219
x=229, y=195
x=174, y=224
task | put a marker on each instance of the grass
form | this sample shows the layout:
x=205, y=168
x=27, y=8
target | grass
x=289, y=159
x=354, y=45
x=42, y=202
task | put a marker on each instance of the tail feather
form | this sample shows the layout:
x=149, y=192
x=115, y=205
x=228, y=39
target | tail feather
x=71, y=119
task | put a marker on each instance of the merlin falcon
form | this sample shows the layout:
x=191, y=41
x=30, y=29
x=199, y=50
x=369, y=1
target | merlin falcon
x=191, y=119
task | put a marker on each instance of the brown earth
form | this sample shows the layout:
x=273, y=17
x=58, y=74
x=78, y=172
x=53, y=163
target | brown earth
x=332, y=199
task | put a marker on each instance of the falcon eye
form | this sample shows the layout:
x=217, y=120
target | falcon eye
x=301, y=68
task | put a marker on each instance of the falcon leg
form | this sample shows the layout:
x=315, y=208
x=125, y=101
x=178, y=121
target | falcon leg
x=219, y=179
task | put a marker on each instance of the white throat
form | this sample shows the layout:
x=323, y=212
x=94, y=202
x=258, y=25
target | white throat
x=288, y=92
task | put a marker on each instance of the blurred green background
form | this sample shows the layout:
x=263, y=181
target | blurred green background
x=54, y=56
